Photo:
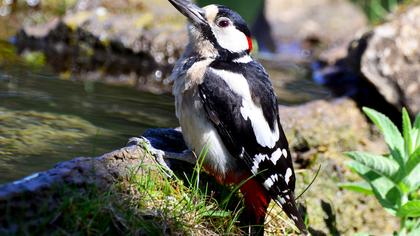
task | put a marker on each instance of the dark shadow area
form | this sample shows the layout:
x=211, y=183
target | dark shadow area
x=344, y=79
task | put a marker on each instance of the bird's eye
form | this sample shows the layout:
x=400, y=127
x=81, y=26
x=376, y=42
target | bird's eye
x=223, y=23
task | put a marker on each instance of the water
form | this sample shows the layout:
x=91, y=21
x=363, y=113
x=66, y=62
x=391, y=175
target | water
x=45, y=119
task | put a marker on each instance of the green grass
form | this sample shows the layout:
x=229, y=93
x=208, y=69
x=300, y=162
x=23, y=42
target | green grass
x=147, y=204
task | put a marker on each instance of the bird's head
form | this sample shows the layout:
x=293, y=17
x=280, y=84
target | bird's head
x=215, y=31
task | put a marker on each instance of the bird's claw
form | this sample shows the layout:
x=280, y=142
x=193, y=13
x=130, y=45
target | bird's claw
x=159, y=155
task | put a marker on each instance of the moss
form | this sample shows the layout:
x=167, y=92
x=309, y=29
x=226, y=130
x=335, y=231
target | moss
x=7, y=53
x=77, y=19
x=32, y=133
x=36, y=59
x=146, y=20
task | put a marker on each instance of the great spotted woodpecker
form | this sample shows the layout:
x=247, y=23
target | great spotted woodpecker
x=224, y=99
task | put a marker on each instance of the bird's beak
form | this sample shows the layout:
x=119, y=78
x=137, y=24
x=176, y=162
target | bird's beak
x=194, y=13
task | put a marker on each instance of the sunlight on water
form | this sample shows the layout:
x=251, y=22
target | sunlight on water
x=44, y=120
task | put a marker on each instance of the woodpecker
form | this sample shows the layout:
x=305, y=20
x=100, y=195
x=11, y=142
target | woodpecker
x=224, y=99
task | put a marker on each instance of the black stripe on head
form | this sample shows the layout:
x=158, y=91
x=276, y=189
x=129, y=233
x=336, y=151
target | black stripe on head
x=237, y=19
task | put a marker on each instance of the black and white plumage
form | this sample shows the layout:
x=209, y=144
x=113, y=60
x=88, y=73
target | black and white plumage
x=224, y=99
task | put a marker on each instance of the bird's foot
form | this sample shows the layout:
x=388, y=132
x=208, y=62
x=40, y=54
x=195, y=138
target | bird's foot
x=160, y=155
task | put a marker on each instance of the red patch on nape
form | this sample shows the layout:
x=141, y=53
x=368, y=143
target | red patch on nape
x=249, y=44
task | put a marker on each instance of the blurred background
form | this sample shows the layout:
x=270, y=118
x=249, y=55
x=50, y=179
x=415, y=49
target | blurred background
x=79, y=77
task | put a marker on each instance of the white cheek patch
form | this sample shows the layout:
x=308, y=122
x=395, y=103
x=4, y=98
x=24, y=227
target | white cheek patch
x=249, y=110
x=231, y=38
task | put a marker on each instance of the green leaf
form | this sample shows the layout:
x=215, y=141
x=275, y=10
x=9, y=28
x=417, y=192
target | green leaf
x=413, y=179
x=413, y=226
x=414, y=232
x=360, y=187
x=410, y=209
x=390, y=132
x=416, y=131
x=417, y=121
x=406, y=124
x=413, y=160
x=379, y=164
x=384, y=189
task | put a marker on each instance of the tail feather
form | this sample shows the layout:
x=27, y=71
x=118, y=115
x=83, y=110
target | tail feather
x=257, y=200
x=291, y=210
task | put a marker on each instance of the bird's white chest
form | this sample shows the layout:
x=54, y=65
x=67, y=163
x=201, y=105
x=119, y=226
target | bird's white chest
x=199, y=133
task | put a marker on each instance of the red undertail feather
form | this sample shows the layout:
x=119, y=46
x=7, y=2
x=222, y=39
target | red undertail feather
x=256, y=199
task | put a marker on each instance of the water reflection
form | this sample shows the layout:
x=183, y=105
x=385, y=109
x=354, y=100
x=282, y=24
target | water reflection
x=44, y=120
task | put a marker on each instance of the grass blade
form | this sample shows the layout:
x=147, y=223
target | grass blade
x=360, y=187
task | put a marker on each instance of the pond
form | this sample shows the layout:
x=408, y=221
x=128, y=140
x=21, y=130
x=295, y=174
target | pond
x=45, y=119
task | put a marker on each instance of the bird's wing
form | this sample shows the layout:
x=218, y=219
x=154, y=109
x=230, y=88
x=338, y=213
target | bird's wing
x=246, y=118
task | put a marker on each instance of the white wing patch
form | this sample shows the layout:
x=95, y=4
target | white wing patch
x=284, y=153
x=288, y=175
x=270, y=181
x=249, y=110
x=257, y=160
x=282, y=200
x=275, y=156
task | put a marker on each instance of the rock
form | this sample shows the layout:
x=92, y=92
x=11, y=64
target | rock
x=391, y=60
x=325, y=125
x=81, y=172
x=137, y=48
x=331, y=22
x=381, y=67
